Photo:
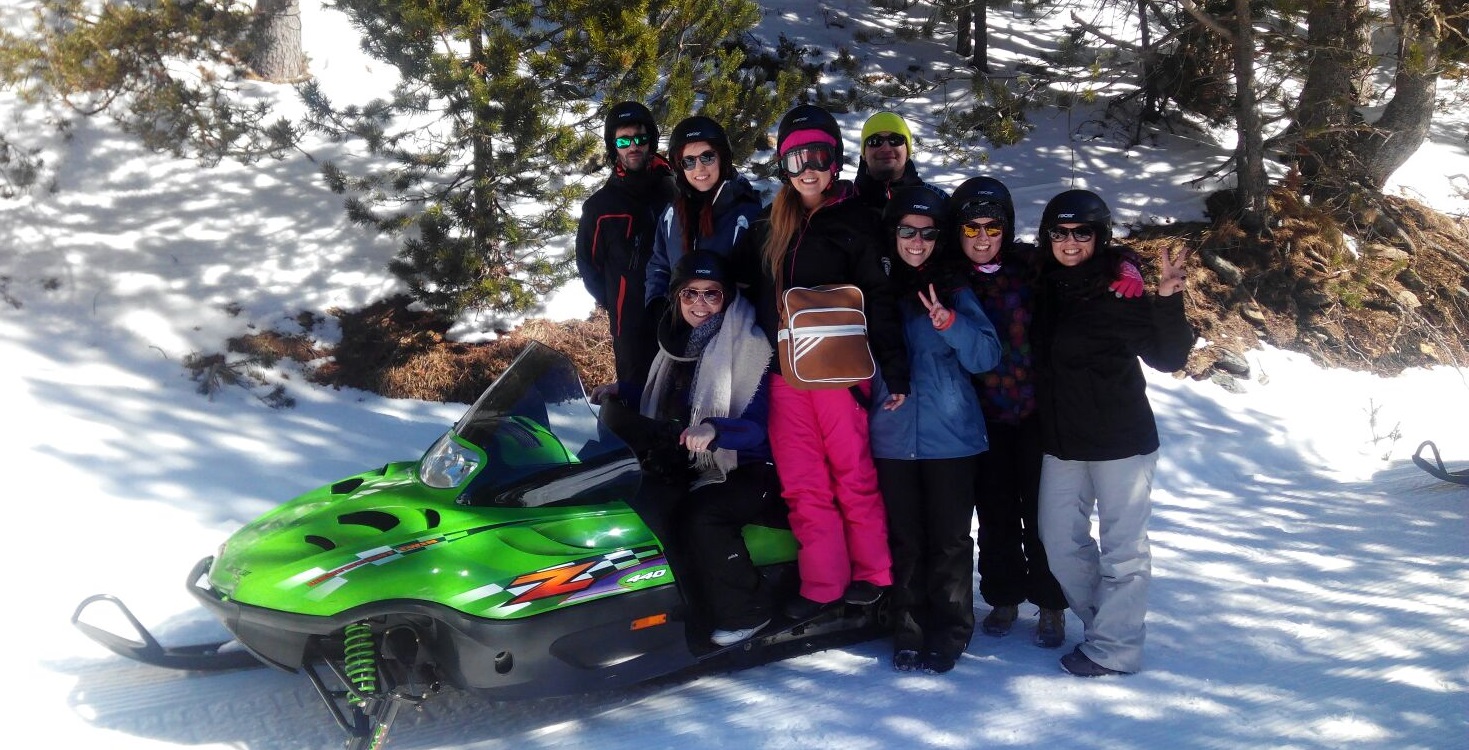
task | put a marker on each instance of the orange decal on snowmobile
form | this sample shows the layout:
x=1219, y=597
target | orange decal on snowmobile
x=552, y=582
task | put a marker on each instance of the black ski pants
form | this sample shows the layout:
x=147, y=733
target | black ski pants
x=930, y=505
x=712, y=519
x=1007, y=479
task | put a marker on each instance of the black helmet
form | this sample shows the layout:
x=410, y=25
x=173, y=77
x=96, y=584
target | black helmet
x=1078, y=207
x=700, y=128
x=984, y=197
x=807, y=117
x=628, y=113
x=915, y=200
x=699, y=264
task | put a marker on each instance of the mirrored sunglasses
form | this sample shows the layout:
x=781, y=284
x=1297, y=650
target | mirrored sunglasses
x=892, y=139
x=627, y=141
x=929, y=234
x=990, y=229
x=706, y=158
x=1080, y=234
x=710, y=296
x=817, y=156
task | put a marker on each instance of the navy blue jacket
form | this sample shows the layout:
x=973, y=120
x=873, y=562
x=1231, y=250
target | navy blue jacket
x=736, y=204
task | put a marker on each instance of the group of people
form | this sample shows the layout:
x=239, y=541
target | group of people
x=1008, y=384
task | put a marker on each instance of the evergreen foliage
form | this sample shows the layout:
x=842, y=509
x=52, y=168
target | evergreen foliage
x=498, y=102
x=165, y=70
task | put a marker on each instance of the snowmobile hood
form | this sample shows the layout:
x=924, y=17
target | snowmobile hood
x=520, y=508
x=391, y=538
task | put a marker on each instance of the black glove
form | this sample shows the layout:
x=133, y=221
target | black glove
x=655, y=442
x=669, y=462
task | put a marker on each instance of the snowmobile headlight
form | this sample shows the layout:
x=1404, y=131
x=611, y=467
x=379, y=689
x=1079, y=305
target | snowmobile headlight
x=447, y=464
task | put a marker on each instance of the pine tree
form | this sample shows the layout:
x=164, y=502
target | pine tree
x=166, y=71
x=498, y=102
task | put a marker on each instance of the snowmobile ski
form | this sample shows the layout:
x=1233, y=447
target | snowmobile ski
x=202, y=657
x=1437, y=468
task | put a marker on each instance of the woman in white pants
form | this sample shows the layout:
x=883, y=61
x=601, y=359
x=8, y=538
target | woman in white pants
x=1097, y=427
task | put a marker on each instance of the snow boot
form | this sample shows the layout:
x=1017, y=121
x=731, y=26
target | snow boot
x=1050, y=632
x=1000, y=619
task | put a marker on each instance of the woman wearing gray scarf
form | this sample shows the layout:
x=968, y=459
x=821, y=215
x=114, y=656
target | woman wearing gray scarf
x=707, y=386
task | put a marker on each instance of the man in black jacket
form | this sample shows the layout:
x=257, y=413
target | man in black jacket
x=615, y=236
x=887, y=161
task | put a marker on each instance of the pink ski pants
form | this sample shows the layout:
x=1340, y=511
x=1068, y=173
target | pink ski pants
x=819, y=440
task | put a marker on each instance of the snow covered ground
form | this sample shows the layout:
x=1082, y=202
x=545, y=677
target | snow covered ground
x=1311, y=587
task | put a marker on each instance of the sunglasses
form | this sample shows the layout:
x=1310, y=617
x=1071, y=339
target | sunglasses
x=990, y=229
x=626, y=141
x=706, y=158
x=929, y=234
x=710, y=296
x=892, y=139
x=1080, y=234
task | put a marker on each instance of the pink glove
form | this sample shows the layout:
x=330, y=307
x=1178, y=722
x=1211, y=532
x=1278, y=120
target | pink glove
x=1129, y=281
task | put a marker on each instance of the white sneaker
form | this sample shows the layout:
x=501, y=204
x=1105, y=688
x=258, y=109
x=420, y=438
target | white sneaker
x=731, y=637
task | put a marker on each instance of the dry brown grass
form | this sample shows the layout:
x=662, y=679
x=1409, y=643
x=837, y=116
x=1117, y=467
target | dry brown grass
x=389, y=349
x=1400, y=302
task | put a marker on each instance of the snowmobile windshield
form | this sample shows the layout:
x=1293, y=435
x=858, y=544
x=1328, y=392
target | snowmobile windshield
x=542, y=441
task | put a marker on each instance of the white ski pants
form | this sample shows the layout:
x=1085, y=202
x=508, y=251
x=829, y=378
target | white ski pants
x=1106, y=584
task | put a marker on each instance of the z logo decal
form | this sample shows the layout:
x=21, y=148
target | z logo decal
x=563, y=579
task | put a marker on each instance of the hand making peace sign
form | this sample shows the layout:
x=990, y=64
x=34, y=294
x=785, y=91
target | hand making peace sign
x=937, y=313
x=1173, y=272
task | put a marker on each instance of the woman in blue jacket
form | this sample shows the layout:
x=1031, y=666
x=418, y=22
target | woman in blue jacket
x=925, y=448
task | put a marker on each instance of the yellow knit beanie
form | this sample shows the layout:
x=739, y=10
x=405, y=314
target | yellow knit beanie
x=887, y=122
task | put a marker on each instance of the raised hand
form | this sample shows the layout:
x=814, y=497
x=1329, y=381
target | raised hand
x=937, y=313
x=1173, y=272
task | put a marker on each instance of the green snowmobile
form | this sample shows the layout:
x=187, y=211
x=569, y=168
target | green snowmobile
x=513, y=560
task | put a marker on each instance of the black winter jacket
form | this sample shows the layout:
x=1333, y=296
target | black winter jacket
x=1091, y=395
x=838, y=244
x=614, y=240
x=875, y=194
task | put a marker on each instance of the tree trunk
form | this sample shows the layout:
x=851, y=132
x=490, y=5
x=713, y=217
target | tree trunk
x=483, y=226
x=963, y=43
x=981, y=59
x=1338, y=38
x=1147, y=56
x=1249, y=154
x=275, y=49
x=1404, y=122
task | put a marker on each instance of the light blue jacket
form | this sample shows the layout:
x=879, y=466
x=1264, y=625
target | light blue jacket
x=941, y=417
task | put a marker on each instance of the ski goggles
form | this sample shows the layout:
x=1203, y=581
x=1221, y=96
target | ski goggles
x=706, y=158
x=817, y=156
x=1080, y=234
x=892, y=139
x=929, y=234
x=628, y=141
x=989, y=229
